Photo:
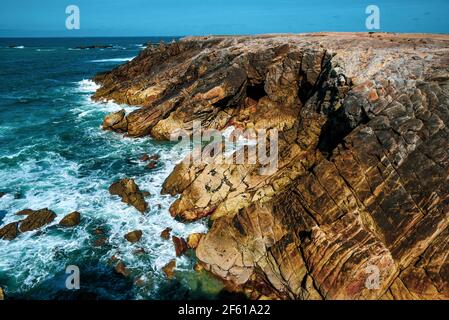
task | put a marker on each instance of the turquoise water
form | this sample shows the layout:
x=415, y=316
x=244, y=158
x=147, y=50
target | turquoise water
x=54, y=155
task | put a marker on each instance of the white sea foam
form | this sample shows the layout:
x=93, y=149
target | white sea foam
x=113, y=60
x=62, y=185
x=86, y=86
x=18, y=47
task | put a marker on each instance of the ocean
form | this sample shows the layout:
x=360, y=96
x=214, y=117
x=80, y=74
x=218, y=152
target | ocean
x=54, y=155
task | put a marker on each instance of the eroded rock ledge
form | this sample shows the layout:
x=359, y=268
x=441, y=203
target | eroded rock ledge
x=363, y=158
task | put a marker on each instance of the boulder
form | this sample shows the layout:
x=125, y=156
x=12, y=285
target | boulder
x=133, y=236
x=130, y=193
x=169, y=269
x=71, y=220
x=180, y=245
x=116, y=121
x=165, y=234
x=37, y=219
x=10, y=231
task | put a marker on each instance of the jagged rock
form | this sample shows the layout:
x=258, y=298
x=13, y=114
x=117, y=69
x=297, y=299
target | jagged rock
x=115, y=121
x=169, y=269
x=71, y=220
x=165, y=234
x=130, y=193
x=10, y=231
x=193, y=240
x=134, y=236
x=180, y=245
x=363, y=160
x=24, y=212
x=37, y=219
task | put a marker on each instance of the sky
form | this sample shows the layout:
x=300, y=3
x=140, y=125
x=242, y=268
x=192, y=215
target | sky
x=47, y=18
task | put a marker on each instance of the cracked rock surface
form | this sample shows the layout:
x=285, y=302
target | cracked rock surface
x=362, y=182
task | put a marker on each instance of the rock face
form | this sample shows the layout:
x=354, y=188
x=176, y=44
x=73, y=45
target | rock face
x=71, y=220
x=130, y=193
x=358, y=207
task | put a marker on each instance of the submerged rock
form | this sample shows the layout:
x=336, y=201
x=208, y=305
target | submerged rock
x=134, y=236
x=360, y=182
x=121, y=269
x=95, y=46
x=71, y=220
x=169, y=269
x=130, y=193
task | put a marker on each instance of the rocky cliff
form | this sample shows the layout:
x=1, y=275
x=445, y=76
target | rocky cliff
x=359, y=205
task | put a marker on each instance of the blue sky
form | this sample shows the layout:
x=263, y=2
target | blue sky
x=203, y=17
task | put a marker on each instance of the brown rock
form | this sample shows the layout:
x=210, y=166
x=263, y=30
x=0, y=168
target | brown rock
x=133, y=236
x=130, y=193
x=165, y=234
x=101, y=241
x=116, y=121
x=10, y=231
x=36, y=220
x=24, y=212
x=169, y=269
x=144, y=157
x=152, y=165
x=120, y=268
x=71, y=220
x=193, y=240
x=2, y=294
x=180, y=245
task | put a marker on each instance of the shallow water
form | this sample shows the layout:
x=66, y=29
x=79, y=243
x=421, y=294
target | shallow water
x=54, y=155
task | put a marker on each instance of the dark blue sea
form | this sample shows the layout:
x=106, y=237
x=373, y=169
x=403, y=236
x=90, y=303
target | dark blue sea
x=53, y=154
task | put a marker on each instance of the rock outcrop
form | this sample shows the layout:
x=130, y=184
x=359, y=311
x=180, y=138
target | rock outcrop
x=134, y=236
x=358, y=206
x=130, y=193
x=71, y=220
x=34, y=220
